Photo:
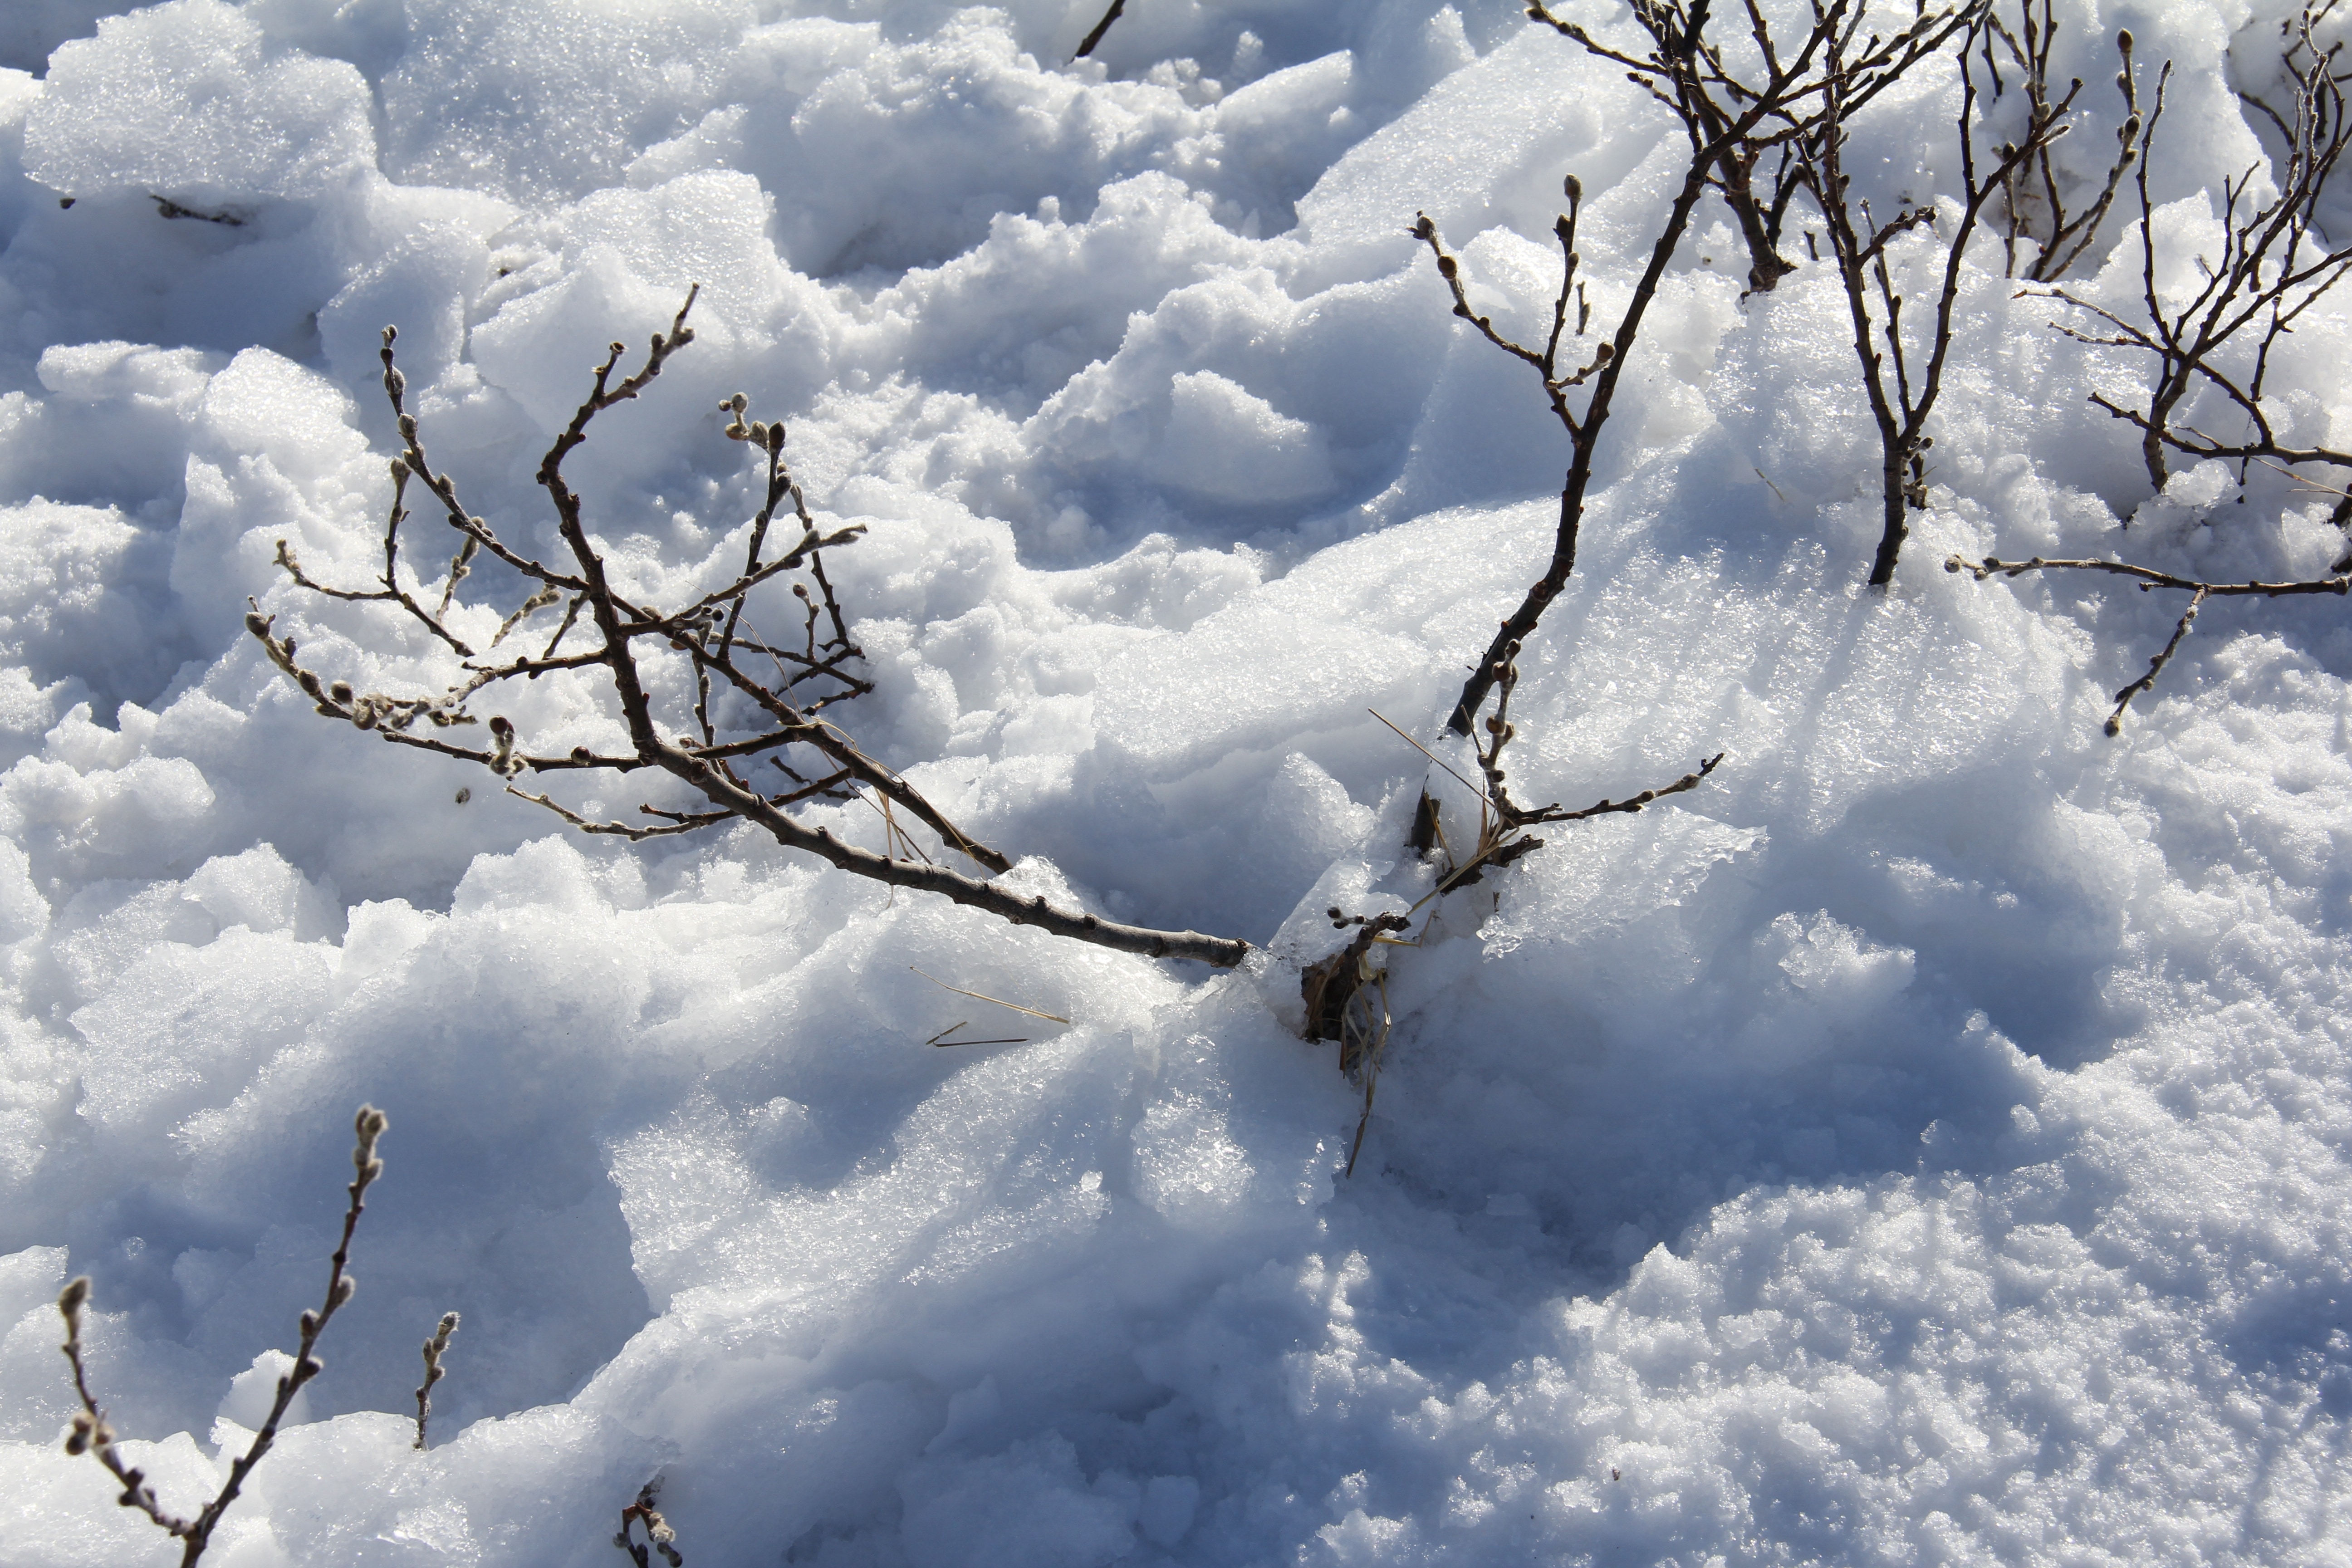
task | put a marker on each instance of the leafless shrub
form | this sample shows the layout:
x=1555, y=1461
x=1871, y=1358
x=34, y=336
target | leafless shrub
x=1902, y=374
x=785, y=684
x=92, y=1433
x=1737, y=114
x=2034, y=196
x=1795, y=100
x=2275, y=264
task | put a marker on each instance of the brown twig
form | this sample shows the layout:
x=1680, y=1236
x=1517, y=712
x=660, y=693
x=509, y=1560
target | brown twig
x=1095, y=34
x=1901, y=402
x=1728, y=124
x=1339, y=991
x=2035, y=206
x=90, y=1432
x=2148, y=577
x=659, y=1536
x=435, y=1349
x=697, y=747
x=2276, y=264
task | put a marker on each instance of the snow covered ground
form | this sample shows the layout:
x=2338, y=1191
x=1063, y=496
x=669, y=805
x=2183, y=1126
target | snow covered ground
x=1926, y=1143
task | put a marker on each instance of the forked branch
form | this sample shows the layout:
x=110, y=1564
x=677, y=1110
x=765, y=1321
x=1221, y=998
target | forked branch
x=2035, y=194
x=2276, y=263
x=435, y=1349
x=1740, y=114
x=660, y=1537
x=759, y=699
x=1903, y=371
x=2148, y=578
x=92, y=1433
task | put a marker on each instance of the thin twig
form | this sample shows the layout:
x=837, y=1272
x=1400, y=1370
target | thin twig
x=710, y=633
x=977, y=996
x=90, y=1432
x=941, y=1037
x=2148, y=578
x=435, y=1349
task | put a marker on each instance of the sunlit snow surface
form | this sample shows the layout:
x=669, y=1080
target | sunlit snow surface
x=1924, y=1143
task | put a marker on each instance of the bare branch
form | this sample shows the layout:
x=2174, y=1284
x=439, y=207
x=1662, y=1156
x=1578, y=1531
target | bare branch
x=435, y=1349
x=1806, y=91
x=90, y=1432
x=2275, y=265
x=698, y=747
x=1901, y=402
x=1095, y=34
x=2148, y=578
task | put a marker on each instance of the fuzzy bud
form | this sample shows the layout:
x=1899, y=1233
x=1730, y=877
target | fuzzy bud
x=2124, y=39
x=309, y=1321
x=1573, y=189
x=345, y=1289
x=76, y=1294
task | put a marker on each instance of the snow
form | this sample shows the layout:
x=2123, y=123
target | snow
x=1925, y=1142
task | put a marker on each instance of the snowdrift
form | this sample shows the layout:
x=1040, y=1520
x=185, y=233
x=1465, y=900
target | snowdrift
x=1925, y=1142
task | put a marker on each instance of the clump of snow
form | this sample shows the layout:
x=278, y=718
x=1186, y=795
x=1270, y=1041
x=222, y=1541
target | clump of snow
x=1924, y=1141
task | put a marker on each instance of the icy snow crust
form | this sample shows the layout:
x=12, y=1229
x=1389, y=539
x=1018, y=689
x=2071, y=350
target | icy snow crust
x=1926, y=1143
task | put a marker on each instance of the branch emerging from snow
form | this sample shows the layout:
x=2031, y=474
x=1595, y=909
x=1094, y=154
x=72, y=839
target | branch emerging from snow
x=758, y=699
x=92, y=1433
